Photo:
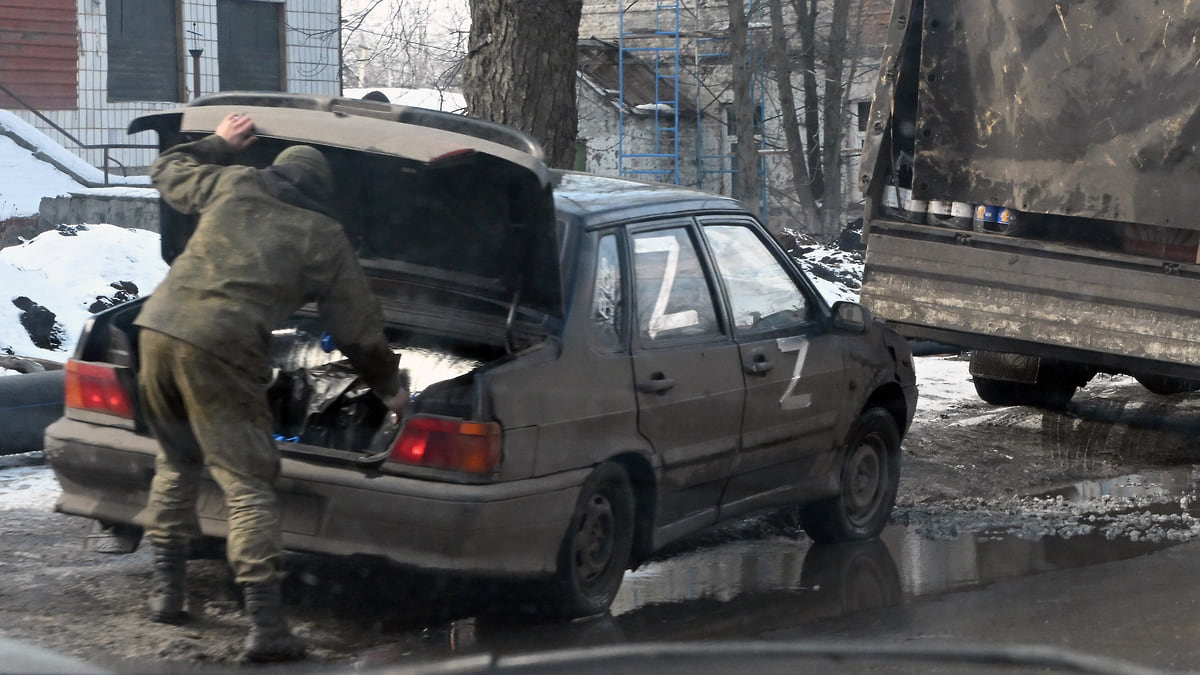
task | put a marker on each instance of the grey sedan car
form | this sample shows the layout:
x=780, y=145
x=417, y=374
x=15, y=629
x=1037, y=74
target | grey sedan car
x=601, y=366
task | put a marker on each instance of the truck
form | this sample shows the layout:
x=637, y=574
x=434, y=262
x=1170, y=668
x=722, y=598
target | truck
x=1031, y=173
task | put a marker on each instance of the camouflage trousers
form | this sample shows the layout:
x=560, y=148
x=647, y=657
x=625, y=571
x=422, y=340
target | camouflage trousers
x=207, y=413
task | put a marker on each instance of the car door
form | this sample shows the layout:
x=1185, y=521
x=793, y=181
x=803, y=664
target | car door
x=794, y=367
x=687, y=372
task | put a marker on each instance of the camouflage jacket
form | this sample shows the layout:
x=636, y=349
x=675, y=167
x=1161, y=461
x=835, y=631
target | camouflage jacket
x=253, y=261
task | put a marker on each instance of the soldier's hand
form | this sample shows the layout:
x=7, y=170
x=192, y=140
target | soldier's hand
x=399, y=402
x=237, y=130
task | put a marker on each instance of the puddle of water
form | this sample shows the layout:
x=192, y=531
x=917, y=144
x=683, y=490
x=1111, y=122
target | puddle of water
x=760, y=585
x=1159, y=485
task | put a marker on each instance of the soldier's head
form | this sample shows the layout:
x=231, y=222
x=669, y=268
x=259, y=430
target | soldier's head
x=310, y=158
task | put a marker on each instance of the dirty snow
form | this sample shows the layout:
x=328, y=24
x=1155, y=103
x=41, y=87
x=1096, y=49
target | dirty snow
x=66, y=273
x=27, y=484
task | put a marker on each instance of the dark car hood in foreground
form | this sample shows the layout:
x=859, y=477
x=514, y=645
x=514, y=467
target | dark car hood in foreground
x=459, y=205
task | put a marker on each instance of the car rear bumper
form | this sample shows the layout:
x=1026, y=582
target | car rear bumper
x=502, y=529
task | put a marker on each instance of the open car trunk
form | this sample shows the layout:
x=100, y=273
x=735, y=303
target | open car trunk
x=453, y=221
x=319, y=401
x=320, y=406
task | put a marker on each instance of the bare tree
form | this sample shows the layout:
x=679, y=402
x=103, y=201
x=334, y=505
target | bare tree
x=746, y=159
x=827, y=61
x=403, y=43
x=520, y=70
x=802, y=176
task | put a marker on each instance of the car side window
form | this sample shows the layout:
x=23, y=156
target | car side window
x=673, y=297
x=607, y=316
x=762, y=296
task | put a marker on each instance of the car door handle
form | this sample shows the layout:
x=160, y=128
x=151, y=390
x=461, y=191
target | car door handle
x=656, y=385
x=759, y=366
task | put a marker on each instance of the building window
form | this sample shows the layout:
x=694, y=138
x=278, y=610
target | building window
x=144, y=56
x=580, y=155
x=250, y=37
x=864, y=113
x=731, y=120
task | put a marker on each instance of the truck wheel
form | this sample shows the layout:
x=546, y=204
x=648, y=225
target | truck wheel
x=869, y=477
x=1053, y=395
x=596, y=549
x=996, y=392
x=1167, y=386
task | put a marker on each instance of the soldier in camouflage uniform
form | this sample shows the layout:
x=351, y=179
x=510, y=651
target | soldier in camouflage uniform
x=265, y=244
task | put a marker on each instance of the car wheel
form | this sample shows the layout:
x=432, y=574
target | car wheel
x=869, y=477
x=595, y=551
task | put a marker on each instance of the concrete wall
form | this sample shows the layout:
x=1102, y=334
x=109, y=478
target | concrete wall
x=129, y=208
x=600, y=128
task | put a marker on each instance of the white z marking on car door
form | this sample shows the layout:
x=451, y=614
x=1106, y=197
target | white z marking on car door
x=791, y=401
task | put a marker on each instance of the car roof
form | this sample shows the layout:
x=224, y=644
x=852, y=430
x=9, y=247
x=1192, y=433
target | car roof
x=601, y=200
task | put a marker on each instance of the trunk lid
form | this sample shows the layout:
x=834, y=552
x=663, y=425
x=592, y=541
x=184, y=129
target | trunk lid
x=453, y=217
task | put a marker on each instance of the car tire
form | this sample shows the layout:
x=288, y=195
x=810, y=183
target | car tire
x=596, y=549
x=870, y=475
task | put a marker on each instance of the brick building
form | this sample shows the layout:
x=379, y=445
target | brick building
x=88, y=67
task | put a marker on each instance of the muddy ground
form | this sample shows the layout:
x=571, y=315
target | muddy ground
x=968, y=466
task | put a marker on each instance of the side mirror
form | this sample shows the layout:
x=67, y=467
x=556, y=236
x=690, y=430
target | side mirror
x=850, y=317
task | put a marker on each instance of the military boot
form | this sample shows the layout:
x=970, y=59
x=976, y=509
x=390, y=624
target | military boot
x=269, y=638
x=166, y=585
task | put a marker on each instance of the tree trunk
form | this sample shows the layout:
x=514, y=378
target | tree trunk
x=746, y=160
x=806, y=24
x=801, y=180
x=520, y=70
x=833, y=115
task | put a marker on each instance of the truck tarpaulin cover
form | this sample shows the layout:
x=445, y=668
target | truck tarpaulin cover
x=1085, y=108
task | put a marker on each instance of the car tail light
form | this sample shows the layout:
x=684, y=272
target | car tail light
x=97, y=388
x=445, y=443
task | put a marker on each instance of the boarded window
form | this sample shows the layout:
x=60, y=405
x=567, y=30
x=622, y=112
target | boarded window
x=144, y=56
x=39, y=53
x=251, y=51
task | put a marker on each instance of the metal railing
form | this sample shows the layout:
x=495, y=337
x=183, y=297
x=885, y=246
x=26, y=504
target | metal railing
x=106, y=147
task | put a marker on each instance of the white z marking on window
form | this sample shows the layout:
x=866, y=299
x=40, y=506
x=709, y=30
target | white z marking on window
x=659, y=319
x=791, y=401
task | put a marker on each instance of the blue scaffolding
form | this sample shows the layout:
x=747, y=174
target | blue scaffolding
x=659, y=44
x=661, y=50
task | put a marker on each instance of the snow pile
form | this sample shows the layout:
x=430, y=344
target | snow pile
x=1152, y=518
x=68, y=273
x=836, y=271
x=25, y=178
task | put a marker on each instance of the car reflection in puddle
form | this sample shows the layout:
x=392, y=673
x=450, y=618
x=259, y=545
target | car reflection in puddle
x=772, y=583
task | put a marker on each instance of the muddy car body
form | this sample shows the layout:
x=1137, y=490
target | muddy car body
x=601, y=366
